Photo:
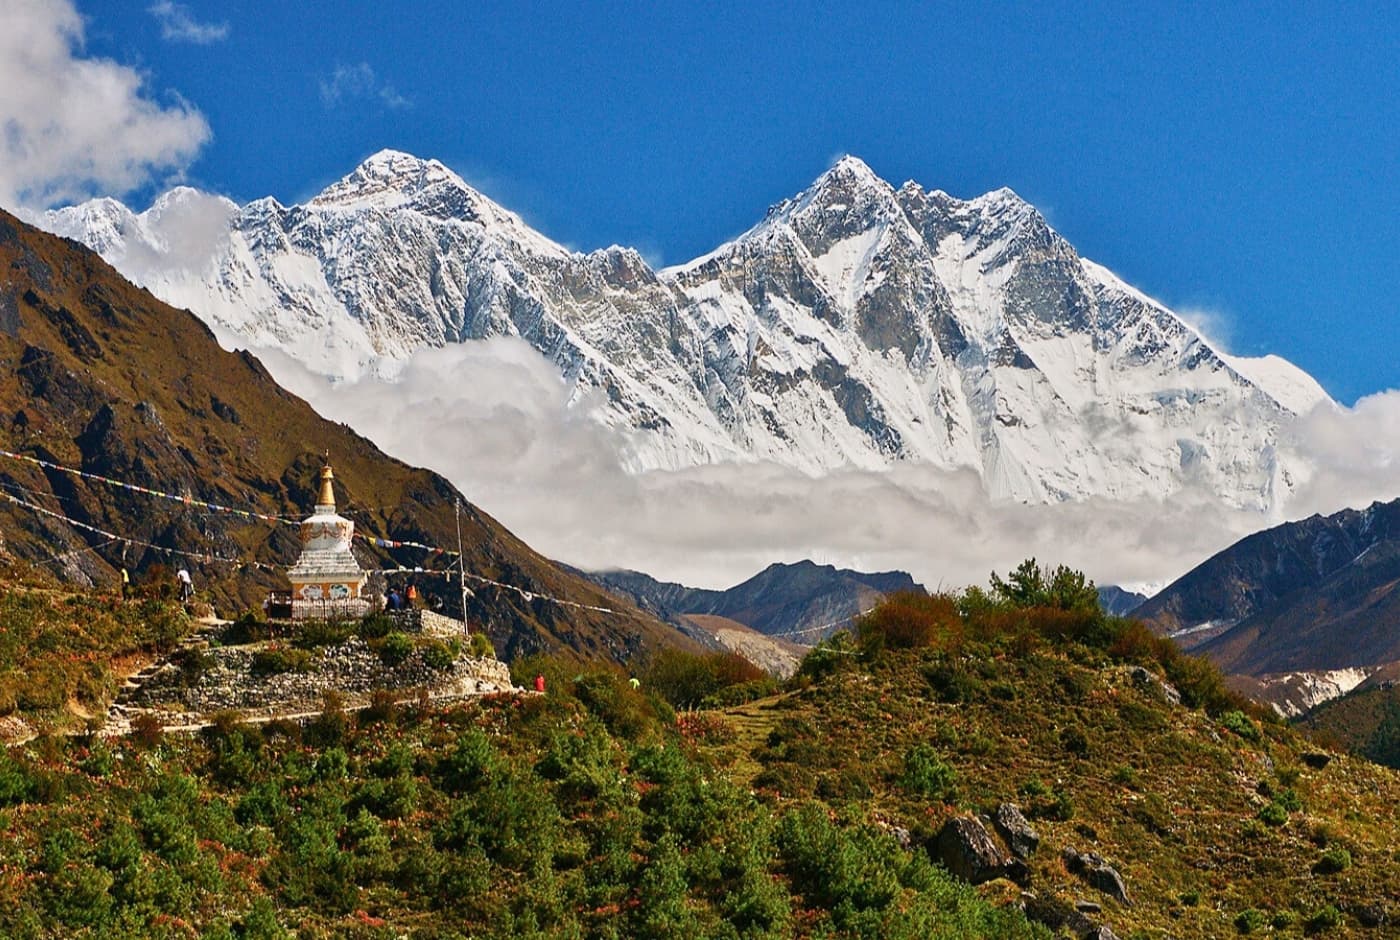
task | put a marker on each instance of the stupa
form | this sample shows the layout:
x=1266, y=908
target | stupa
x=327, y=580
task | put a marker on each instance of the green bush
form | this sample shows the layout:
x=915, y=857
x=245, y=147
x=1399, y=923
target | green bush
x=926, y=774
x=1239, y=723
x=278, y=659
x=437, y=656
x=314, y=634
x=1274, y=814
x=1336, y=859
x=249, y=627
x=376, y=626
x=1324, y=918
x=1249, y=920
x=480, y=646
x=16, y=783
x=685, y=680
x=833, y=654
x=394, y=648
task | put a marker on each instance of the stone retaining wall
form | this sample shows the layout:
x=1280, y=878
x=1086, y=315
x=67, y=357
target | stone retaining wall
x=349, y=668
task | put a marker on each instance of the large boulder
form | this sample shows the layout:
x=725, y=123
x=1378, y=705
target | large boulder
x=966, y=848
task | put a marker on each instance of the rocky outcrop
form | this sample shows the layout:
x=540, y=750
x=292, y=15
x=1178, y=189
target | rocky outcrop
x=1020, y=836
x=1096, y=872
x=1163, y=690
x=965, y=846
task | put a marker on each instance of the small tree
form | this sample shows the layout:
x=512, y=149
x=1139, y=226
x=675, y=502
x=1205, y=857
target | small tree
x=1031, y=585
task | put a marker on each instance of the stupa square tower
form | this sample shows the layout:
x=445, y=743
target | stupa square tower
x=327, y=580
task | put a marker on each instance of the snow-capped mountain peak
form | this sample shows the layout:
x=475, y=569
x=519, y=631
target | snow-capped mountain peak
x=387, y=179
x=855, y=325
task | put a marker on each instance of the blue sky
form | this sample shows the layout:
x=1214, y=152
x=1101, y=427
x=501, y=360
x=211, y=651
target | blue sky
x=1241, y=163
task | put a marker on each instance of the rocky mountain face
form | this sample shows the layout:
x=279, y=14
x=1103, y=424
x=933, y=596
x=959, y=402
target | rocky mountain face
x=102, y=377
x=857, y=325
x=1119, y=601
x=1310, y=607
x=802, y=602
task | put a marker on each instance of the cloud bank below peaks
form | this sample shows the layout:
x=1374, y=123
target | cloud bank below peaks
x=74, y=125
x=494, y=417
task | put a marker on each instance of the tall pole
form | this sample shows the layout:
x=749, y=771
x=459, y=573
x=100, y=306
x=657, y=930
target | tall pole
x=462, y=570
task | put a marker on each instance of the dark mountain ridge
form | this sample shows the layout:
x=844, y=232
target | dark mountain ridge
x=802, y=601
x=1317, y=594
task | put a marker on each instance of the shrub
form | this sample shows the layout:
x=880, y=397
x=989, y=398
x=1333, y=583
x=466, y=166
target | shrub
x=383, y=708
x=830, y=656
x=248, y=628
x=1334, y=860
x=394, y=648
x=480, y=646
x=951, y=682
x=1125, y=776
x=926, y=774
x=741, y=694
x=685, y=680
x=16, y=784
x=437, y=656
x=194, y=664
x=1074, y=740
x=1324, y=918
x=910, y=620
x=624, y=710
x=313, y=634
x=1238, y=722
x=1249, y=920
x=789, y=780
x=147, y=730
x=376, y=626
x=1273, y=814
x=276, y=660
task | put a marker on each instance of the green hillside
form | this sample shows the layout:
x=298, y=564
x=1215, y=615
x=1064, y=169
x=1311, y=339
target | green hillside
x=597, y=810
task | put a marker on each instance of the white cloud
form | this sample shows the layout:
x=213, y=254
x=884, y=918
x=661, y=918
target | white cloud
x=178, y=24
x=1215, y=325
x=1353, y=455
x=72, y=126
x=493, y=417
x=358, y=82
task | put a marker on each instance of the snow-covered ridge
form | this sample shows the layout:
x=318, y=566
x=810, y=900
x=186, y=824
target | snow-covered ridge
x=855, y=325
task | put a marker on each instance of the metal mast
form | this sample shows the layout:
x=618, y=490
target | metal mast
x=462, y=570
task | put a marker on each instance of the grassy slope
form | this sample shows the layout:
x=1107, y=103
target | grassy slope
x=63, y=655
x=1365, y=721
x=1167, y=794
x=592, y=812
x=583, y=813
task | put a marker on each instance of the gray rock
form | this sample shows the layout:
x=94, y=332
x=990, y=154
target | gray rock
x=967, y=849
x=1020, y=837
x=1371, y=915
x=1162, y=689
x=1096, y=871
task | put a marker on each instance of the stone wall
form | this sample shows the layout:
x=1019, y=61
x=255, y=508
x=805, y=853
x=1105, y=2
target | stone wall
x=226, y=680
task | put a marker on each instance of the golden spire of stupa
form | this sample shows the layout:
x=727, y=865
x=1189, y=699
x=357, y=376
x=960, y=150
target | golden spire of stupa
x=327, y=497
